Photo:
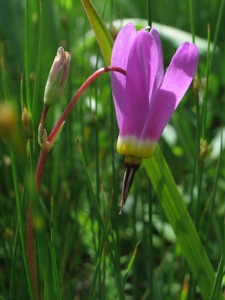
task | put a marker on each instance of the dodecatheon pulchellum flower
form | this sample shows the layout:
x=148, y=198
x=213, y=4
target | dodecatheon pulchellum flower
x=146, y=98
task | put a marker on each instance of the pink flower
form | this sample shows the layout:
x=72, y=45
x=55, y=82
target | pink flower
x=146, y=98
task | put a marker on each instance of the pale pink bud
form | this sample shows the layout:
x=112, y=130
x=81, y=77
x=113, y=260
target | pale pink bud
x=57, y=77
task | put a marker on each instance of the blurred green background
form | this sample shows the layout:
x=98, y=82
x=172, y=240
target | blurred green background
x=92, y=121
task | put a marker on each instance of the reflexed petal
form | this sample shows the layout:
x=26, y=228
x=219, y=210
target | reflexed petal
x=119, y=58
x=159, y=115
x=181, y=70
x=160, y=72
x=142, y=68
x=176, y=82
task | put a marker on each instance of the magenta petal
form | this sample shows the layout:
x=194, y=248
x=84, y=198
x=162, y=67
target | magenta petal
x=159, y=115
x=176, y=82
x=181, y=71
x=142, y=68
x=160, y=72
x=119, y=58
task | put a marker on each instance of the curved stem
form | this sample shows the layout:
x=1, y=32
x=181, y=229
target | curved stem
x=44, y=154
x=44, y=114
x=40, y=168
x=95, y=75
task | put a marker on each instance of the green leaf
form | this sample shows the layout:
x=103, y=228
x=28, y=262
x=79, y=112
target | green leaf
x=179, y=218
x=102, y=33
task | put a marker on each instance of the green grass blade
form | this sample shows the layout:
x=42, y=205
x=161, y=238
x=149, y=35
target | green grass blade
x=35, y=101
x=53, y=255
x=178, y=216
x=217, y=284
x=103, y=226
x=102, y=33
x=26, y=59
x=21, y=221
x=101, y=254
x=128, y=269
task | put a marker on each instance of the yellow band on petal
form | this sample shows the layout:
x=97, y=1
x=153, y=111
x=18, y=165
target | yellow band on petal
x=132, y=146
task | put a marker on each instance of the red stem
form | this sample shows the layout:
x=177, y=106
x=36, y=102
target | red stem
x=44, y=154
x=79, y=93
x=41, y=164
x=43, y=116
x=40, y=168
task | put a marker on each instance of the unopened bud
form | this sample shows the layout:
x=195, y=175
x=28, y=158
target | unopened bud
x=57, y=77
x=204, y=150
x=27, y=123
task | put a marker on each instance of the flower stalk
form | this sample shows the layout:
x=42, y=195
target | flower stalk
x=49, y=140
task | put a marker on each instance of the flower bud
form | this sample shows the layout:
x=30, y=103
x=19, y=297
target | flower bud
x=57, y=77
x=27, y=123
x=204, y=150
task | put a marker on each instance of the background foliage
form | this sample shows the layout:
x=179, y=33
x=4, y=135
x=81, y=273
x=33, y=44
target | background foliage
x=92, y=260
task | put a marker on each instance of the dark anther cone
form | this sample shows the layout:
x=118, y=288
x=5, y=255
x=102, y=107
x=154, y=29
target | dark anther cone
x=132, y=164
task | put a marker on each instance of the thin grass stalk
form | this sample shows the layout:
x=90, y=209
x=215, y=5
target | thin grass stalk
x=134, y=236
x=201, y=132
x=101, y=258
x=213, y=196
x=205, y=103
x=38, y=66
x=150, y=244
x=104, y=251
x=218, y=26
x=3, y=71
x=27, y=57
x=111, y=14
x=53, y=255
x=30, y=230
x=94, y=279
x=29, y=227
x=97, y=167
x=42, y=246
x=128, y=269
x=200, y=164
x=196, y=165
x=149, y=12
x=114, y=258
x=219, y=274
x=14, y=252
x=21, y=223
x=31, y=250
x=95, y=120
x=34, y=211
x=192, y=20
x=107, y=227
